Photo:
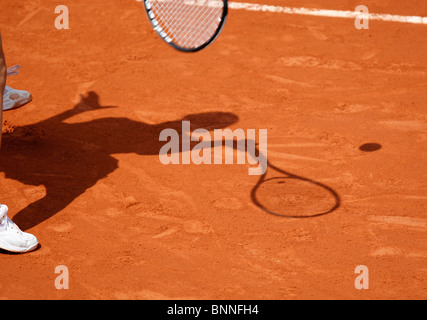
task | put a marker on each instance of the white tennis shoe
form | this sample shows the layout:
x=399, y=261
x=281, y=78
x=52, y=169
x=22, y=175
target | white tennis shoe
x=13, y=98
x=11, y=237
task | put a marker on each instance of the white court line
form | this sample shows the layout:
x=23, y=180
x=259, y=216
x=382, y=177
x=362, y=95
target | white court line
x=327, y=13
x=321, y=12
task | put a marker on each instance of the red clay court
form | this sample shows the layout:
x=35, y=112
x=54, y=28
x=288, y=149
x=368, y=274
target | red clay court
x=343, y=107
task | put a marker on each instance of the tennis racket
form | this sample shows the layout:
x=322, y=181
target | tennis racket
x=287, y=195
x=187, y=25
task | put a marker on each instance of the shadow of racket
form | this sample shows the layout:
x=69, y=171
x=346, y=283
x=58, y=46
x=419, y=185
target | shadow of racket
x=288, y=195
x=291, y=196
x=282, y=193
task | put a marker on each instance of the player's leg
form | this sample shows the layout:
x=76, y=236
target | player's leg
x=10, y=98
x=11, y=237
x=2, y=83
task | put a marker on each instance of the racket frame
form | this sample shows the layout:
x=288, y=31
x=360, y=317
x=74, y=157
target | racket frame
x=164, y=36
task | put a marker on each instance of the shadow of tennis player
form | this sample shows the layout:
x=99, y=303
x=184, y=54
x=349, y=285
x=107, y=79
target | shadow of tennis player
x=71, y=157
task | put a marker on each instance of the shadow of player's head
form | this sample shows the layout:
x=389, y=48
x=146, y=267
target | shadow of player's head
x=211, y=120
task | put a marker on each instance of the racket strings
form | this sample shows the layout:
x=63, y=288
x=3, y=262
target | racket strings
x=183, y=29
x=187, y=23
x=202, y=33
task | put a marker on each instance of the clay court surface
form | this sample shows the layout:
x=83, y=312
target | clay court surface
x=80, y=169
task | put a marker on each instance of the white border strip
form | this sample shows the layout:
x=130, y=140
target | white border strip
x=326, y=13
